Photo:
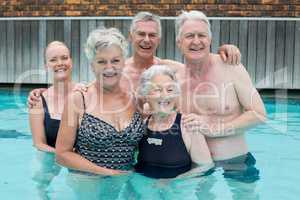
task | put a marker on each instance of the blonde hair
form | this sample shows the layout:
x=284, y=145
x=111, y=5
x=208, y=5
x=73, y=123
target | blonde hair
x=56, y=42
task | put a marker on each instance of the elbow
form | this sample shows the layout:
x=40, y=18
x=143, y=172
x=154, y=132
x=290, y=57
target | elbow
x=59, y=157
x=260, y=116
x=264, y=118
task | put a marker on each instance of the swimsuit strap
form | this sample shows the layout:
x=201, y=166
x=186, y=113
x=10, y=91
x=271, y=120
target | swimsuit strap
x=147, y=120
x=84, y=107
x=178, y=121
x=45, y=106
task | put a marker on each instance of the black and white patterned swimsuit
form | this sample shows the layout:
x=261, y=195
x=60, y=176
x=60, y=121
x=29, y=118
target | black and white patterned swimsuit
x=100, y=143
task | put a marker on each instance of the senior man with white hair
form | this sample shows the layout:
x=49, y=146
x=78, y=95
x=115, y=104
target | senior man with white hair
x=145, y=36
x=221, y=100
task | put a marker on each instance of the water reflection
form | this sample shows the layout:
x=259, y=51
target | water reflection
x=44, y=170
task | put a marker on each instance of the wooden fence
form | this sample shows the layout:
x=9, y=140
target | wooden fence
x=270, y=48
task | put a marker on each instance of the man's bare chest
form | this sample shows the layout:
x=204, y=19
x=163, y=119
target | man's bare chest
x=209, y=98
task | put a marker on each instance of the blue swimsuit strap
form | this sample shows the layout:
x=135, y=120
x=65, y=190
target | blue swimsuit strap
x=45, y=106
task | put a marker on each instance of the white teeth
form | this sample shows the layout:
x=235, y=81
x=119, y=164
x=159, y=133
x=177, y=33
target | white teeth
x=196, y=48
x=145, y=47
x=109, y=74
x=164, y=103
x=60, y=70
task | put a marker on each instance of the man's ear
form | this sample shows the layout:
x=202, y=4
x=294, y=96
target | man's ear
x=92, y=67
x=71, y=63
x=178, y=43
x=46, y=67
x=129, y=37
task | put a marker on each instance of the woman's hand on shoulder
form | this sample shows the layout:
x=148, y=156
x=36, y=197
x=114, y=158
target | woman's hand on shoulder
x=230, y=54
x=34, y=97
x=81, y=87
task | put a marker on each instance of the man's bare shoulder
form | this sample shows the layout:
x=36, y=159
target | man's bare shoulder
x=173, y=64
x=231, y=71
x=129, y=65
x=129, y=61
x=220, y=65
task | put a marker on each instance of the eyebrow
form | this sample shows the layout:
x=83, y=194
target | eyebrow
x=147, y=32
x=197, y=32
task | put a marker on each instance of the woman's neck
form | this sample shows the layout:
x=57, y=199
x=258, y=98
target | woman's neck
x=114, y=90
x=162, y=120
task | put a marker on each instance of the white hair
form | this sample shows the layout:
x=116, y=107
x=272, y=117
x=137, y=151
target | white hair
x=145, y=16
x=190, y=15
x=146, y=77
x=101, y=38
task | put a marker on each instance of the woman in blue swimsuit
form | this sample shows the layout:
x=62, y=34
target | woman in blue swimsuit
x=168, y=149
x=45, y=116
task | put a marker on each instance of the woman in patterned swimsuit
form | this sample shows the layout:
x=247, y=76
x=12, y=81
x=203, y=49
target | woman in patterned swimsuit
x=101, y=128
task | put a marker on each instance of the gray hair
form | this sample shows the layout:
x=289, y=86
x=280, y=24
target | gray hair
x=145, y=16
x=146, y=77
x=101, y=38
x=190, y=15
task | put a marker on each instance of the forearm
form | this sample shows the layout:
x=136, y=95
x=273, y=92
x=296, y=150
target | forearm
x=44, y=147
x=197, y=170
x=245, y=121
x=75, y=161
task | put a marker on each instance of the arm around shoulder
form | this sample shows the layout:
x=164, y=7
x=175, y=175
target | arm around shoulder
x=177, y=66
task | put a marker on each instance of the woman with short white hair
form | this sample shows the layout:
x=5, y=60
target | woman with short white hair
x=101, y=128
x=168, y=149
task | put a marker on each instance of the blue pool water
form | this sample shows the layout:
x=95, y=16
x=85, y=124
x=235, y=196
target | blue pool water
x=275, y=145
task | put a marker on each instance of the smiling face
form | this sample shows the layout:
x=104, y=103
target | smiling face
x=163, y=94
x=145, y=38
x=58, y=60
x=107, y=65
x=194, y=41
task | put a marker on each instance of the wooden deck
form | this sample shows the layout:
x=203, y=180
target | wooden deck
x=270, y=48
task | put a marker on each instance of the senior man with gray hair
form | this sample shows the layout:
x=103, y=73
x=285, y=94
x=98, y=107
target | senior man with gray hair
x=145, y=36
x=221, y=100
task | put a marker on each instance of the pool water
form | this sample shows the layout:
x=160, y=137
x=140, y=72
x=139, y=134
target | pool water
x=275, y=145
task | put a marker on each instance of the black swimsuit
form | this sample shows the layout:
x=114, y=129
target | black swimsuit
x=163, y=154
x=51, y=125
x=100, y=143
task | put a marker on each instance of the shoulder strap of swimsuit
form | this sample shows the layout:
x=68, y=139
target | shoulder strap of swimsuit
x=147, y=120
x=178, y=120
x=83, y=101
x=45, y=106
